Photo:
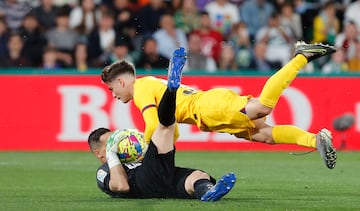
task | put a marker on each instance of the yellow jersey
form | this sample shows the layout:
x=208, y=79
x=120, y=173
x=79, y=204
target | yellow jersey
x=216, y=110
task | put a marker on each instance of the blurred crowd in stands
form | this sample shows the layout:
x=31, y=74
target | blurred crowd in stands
x=220, y=35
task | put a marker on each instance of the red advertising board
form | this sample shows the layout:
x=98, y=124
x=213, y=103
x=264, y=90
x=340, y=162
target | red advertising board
x=56, y=112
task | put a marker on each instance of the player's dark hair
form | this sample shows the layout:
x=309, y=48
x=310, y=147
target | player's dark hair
x=94, y=137
x=110, y=72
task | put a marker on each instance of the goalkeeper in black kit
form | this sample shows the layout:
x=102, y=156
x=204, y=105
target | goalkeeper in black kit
x=156, y=176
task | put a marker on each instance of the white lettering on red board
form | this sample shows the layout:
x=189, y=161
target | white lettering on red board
x=119, y=114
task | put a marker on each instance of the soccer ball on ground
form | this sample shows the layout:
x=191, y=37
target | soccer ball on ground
x=132, y=145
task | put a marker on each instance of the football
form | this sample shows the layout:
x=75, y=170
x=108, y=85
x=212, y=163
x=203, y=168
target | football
x=132, y=145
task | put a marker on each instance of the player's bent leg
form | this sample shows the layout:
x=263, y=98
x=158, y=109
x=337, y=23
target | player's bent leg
x=262, y=132
x=221, y=188
x=304, y=53
x=325, y=148
x=254, y=109
x=192, y=183
x=176, y=65
x=163, y=138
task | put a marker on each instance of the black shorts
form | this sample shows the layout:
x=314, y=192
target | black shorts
x=158, y=177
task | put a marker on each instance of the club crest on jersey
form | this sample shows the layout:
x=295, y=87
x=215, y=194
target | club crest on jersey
x=100, y=175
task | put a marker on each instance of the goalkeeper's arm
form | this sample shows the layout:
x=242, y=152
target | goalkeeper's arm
x=118, y=180
x=118, y=177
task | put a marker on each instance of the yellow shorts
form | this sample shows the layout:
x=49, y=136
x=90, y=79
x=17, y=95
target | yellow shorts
x=219, y=110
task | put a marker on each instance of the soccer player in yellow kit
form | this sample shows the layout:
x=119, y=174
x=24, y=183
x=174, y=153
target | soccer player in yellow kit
x=222, y=110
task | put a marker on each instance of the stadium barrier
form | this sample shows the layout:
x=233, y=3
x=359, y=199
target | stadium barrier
x=57, y=111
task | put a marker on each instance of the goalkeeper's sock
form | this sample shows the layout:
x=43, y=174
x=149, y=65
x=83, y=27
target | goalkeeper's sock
x=202, y=186
x=289, y=134
x=276, y=84
x=166, y=110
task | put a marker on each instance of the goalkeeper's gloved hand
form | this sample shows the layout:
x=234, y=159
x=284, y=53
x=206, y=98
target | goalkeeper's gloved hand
x=112, y=148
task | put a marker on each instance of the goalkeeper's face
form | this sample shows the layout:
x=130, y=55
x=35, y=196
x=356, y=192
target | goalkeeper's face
x=121, y=88
x=100, y=151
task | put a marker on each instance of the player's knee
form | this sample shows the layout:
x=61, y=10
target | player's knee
x=264, y=135
x=255, y=110
x=266, y=140
x=263, y=111
x=269, y=141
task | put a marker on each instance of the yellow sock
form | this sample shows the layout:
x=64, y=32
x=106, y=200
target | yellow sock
x=289, y=134
x=276, y=84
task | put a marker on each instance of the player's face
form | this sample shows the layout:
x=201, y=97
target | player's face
x=120, y=89
x=100, y=152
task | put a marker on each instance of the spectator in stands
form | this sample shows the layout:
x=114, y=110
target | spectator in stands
x=200, y=4
x=15, y=56
x=142, y=3
x=4, y=36
x=49, y=59
x=169, y=37
x=227, y=58
x=84, y=17
x=126, y=22
x=337, y=63
x=259, y=62
x=307, y=12
x=291, y=20
x=196, y=61
x=119, y=5
x=352, y=13
x=149, y=17
x=341, y=6
x=279, y=40
x=174, y=5
x=210, y=39
x=187, y=17
x=81, y=57
x=240, y=39
x=354, y=62
x=61, y=3
x=34, y=40
x=150, y=57
x=348, y=39
x=101, y=40
x=121, y=51
x=14, y=11
x=326, y=24
x=46, y=14
x=63, y=38
x=222, y=14
x=256, y=14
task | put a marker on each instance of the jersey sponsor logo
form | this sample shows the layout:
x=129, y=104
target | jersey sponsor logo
x=100, y=175
x=132, y=165
x=189, y=91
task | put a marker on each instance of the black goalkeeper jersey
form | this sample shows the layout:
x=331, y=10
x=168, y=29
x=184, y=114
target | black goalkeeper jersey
x=103, y=178
x=155, y=177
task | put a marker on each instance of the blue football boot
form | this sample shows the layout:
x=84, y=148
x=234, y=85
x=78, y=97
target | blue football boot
x=176, y=65
x=221, y=188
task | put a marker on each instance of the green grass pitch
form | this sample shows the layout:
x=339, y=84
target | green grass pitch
x=265, y=181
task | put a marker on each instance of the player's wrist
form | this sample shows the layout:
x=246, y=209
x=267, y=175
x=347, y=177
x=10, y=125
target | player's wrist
x=112, y=159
